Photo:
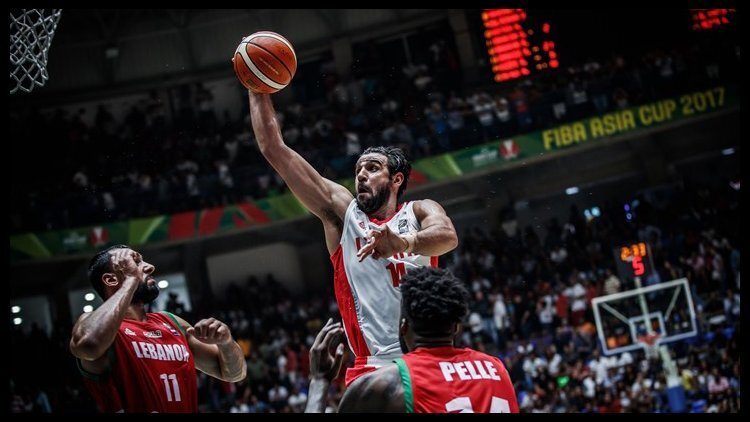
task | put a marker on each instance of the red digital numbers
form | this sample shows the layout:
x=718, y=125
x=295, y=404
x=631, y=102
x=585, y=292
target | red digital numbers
x=635, y=250
x=512, y=54
x=704, y=19
x=638, y=267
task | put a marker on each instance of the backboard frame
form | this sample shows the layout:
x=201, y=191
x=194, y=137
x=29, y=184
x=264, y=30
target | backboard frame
x=601, y=304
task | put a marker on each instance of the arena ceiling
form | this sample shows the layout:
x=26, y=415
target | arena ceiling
x=97, y=49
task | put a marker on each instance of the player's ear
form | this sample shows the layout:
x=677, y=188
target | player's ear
x=109, y=279
x=455, y=329
x=398, y=179
x=403, y=326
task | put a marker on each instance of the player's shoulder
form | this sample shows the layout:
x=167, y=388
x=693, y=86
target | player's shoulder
x=378, y=382
x=426, y=205
x=376, y=391
x=171, y=318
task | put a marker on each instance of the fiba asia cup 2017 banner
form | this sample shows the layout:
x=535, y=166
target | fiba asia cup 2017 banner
x=545, y=142
x=521, y=148
x=640, y=117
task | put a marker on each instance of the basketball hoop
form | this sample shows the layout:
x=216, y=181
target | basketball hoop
x=31, y=32
x=650, y=344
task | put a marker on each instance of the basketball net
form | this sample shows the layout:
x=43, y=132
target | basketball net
x=31, y=32
x=651, y=345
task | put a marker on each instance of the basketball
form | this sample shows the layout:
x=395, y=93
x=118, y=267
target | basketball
x=265, y=62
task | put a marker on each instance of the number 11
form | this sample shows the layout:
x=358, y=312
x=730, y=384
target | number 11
x=175, y=386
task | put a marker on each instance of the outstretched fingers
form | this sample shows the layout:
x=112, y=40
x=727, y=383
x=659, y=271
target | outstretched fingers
x=323, y=340
x=372, y=242
x=123, y=261
x=339, y=355
x=333, y=336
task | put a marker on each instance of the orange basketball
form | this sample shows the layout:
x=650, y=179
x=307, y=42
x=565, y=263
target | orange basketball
x=265, y=62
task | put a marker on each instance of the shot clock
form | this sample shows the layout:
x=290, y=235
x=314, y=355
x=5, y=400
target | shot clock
x=634, y=260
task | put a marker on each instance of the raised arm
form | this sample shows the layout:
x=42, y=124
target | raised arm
x=437, y=236
x=326, y=199
x=380, y=391
x=94, y=332
x=325, y=363
x=214, y=350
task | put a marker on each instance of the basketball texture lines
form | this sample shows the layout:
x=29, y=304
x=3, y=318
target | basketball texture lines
x=265, y=62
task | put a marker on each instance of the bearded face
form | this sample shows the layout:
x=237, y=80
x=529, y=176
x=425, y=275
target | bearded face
x=369, y=202
x=146, y=292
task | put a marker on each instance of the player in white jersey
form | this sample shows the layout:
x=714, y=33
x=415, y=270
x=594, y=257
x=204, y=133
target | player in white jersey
x=372, y=238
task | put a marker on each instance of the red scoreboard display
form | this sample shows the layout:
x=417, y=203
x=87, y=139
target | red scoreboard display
x=517, y=48
x=705, y=19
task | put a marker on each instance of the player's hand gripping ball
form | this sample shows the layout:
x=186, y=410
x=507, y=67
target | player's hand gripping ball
x=265, y=62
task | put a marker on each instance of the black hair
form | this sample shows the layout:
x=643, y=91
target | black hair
x=397, y=163
x=99, y=265
x=432, y=300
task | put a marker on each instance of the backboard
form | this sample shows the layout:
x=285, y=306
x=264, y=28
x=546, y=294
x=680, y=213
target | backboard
x=665, y=309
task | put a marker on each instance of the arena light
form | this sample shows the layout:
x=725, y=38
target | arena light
x=163, y=284
x=17, y=321
x=89, y=297
x=111, y=52
x=571, y=190
x=15, y=309
x=88, y=308
x=727, y=151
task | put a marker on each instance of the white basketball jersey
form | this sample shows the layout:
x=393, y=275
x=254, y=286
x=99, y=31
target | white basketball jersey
x=367, y=292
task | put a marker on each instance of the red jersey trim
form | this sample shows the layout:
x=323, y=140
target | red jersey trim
x=347, y=306
x=385, y=220
x=433, y=261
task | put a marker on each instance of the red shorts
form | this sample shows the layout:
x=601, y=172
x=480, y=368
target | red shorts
x=355, y=372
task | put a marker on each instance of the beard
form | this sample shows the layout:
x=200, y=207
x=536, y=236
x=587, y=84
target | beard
x=145, y=294
x=374, y=202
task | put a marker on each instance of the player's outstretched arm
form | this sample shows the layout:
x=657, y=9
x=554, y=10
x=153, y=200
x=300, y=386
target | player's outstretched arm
x=324, y=198
x=215, y=351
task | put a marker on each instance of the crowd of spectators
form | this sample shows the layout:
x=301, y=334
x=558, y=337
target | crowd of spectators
x=532, y=289
x=178, y=154
x=531, y=306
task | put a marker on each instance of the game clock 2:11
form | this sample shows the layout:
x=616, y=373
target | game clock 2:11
x=633, y=260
